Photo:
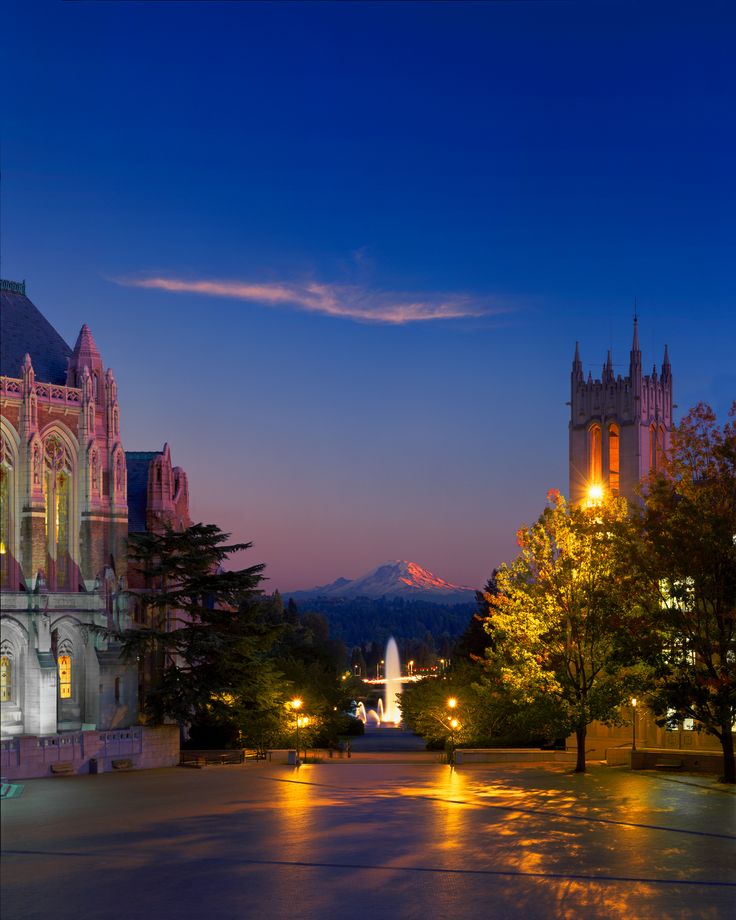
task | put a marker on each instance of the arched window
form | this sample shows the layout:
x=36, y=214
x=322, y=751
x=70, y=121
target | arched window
x=7, y=529
x=596, y=455
x=652, y=448
x=614, y=477
x=6, y=679
x=660, y=449
x=57, y=495
x=64, y=663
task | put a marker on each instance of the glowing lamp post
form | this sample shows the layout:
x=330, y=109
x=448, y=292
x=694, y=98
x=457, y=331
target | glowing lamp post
x=296, y=705
x=302, y=721
x=595, y=493
x=633, y=723
x=452, y=706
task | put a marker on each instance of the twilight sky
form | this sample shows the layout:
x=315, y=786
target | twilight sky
x=338, y=255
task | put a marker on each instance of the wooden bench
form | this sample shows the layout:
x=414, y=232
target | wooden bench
x=123, y=764
x=62, y=767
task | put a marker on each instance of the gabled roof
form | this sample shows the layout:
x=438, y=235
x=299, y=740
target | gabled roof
x=24, y=330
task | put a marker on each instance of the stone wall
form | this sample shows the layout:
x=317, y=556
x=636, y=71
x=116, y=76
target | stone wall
x=143, y=746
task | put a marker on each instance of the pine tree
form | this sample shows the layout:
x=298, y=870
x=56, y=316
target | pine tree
x=203, y=628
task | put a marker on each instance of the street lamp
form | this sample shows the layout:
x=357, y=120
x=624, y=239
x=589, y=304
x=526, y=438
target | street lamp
x=452, y=706
x=411, y=668
x=296, y=705
x=303, y=721
x=633, y=723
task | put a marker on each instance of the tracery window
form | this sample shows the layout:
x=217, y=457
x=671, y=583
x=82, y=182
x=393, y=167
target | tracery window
x=64, y=663
x=7, y=548
x=6, y=679
x=614, y=477
x=57, y=494
x=660, y=449
x=653, y=452
x=596, y=455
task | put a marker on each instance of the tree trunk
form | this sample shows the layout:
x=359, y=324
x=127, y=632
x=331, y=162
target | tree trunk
x=729, y=765
x=580, y=762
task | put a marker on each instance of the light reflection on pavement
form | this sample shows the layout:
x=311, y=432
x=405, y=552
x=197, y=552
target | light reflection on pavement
x=365, y=840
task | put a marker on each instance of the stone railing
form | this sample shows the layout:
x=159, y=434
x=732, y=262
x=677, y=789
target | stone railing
x=10, y=386
x=50, y=393
x=28, y=602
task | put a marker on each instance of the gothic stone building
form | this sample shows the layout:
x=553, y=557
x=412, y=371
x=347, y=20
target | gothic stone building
x=64, y=511
x=619, y=426
x=620, y=429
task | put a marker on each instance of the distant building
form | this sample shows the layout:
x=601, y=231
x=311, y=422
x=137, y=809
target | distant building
x=65, y=502
x=620, y=427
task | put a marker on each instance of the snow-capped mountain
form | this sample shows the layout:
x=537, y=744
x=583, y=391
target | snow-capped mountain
x=399, y=578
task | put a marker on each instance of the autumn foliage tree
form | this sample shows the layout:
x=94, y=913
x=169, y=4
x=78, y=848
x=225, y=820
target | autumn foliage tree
x=687, y=549
x=562, y=617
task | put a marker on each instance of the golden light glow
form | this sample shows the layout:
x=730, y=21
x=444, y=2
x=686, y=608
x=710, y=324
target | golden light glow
x=65, y=677
x=454, y=724
x=633, y=701
x=595, y=492
x=452, y=702
x=5, y=679
x=296, y=703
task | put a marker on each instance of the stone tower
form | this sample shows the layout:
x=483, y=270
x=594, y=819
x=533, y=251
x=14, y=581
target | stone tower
x=619, y=426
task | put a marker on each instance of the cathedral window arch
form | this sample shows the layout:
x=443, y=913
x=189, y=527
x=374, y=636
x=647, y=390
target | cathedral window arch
x=64, y=663
x=6, y=677
x=12, y=655
x=660, y=448
x=65, y=666
x=58, y=469
x=614, y=458
x=653, y=451
x=8, y=516
x=595, y=453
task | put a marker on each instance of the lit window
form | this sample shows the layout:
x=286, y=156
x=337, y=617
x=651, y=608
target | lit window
x=596, y=459
x=56, y=490
x=614, y=479
x=6, y=679
x=65, y=677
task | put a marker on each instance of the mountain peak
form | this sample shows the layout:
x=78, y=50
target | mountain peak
x=397, y=578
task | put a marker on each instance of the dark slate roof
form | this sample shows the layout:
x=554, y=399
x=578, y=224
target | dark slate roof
x=137, y=463
x=23, y=329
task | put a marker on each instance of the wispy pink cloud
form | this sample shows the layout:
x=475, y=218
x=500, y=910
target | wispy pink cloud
x=341, y=300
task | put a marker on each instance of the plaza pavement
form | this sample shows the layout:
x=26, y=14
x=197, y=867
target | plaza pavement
x=353, y=839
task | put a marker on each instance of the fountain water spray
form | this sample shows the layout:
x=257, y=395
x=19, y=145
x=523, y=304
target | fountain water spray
x=388, y=710
x=392, y=694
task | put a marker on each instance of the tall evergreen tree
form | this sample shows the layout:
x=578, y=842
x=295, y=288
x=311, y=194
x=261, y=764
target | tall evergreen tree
x=201, y=623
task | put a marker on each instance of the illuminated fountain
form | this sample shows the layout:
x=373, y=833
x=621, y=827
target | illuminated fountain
x=392, y=695
x=388, y=711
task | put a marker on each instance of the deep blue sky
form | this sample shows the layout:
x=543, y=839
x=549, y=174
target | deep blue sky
x=528, y=167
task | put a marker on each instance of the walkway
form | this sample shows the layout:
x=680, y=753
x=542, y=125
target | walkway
x=362, y=841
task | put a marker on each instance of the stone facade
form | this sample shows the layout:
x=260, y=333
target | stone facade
x=619, y=426
x=620, y=430
x=64, y=529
